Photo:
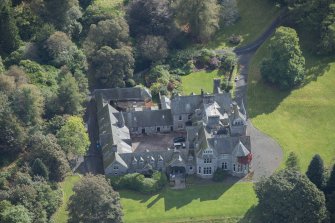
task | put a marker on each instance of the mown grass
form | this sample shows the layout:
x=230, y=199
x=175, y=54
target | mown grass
x=196, y=81
x=301, y=120
x=212, y=202
x=61, y=216
x=255, y=17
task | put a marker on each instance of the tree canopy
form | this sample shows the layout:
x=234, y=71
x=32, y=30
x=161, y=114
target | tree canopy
x=286, y=65
x=288, y=196
x=198, y=18
x=94, y=200
x=72, y=137
x=315, y=171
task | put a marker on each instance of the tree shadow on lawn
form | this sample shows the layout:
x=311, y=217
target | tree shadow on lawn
x=265, y=98
x=198, y=190
x=253, y=215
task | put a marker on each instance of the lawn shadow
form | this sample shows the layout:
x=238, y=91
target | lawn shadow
x=263, y=98
x=196, y=189
x=252, y=215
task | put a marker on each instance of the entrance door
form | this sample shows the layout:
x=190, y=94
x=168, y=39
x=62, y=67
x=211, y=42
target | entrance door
x=158, y=129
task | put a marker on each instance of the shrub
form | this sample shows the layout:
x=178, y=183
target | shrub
x=220, y=175
x=235, y=39
x=137, y=182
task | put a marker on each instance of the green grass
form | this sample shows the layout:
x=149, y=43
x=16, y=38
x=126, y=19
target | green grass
x=196, y=81
x=302, y=120
x=201, y=203
x=256, y=16
x=110, y=6
x=61, y=216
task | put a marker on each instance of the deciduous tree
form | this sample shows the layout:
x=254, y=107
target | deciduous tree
x=94, y=200
x=199, y=18
x=73, y=137
x=286, y=65
x=111, y=67
x=153, y=48
x=288, y=196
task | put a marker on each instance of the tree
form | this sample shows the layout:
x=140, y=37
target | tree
x=111, y=67
x=73, y=137
x=38, y=168
x=62, y=51
x=13, y=213
x=59, y=13
x=315, y=171
x=2, y=67
x=12, y=134
x=288, y=196
x=327, y=44
x=199, y=18
x=112, y=32
x=150, y=17
x=286, y=65
x=94, y=200
x=228, y=61
x=292, y=162
x=47, y=149
x=153, y=48
x=229, y=12
x=29, y=104
x=331, y=206
x=330, y=188
x=9, y=39
x=69, y=97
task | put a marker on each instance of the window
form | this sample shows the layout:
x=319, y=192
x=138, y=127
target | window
x=116, y=167
x=208, y=160
x=199, y=169
x=234, y=167
x=239, y=169
x=180, y=118
x=224, y=165
x=180, y=126
x=207, y=170
x=115, y=173
x=191, y=167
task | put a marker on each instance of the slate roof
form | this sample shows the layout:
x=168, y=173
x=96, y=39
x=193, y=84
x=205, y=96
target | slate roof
x=240, y=150
x=114, y=157
x=124, y=94
x=148, y=118
x=185, y=104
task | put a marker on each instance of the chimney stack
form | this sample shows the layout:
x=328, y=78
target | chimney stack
x=236, y=111
x=217, y=86
x=121, y=120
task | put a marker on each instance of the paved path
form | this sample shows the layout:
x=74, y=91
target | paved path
x=267, y=154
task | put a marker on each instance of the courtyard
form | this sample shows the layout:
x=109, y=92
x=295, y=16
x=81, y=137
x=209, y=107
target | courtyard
x=155, y=142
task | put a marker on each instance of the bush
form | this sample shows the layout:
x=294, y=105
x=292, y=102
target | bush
x=137, y=182
x=220, y=175
x=235, y=39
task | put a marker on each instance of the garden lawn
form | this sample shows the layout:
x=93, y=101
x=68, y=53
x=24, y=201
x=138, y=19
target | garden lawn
x=302, y=120
x=198, y=203
x=196, y=81
x=61, y=215
x=256, y=16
